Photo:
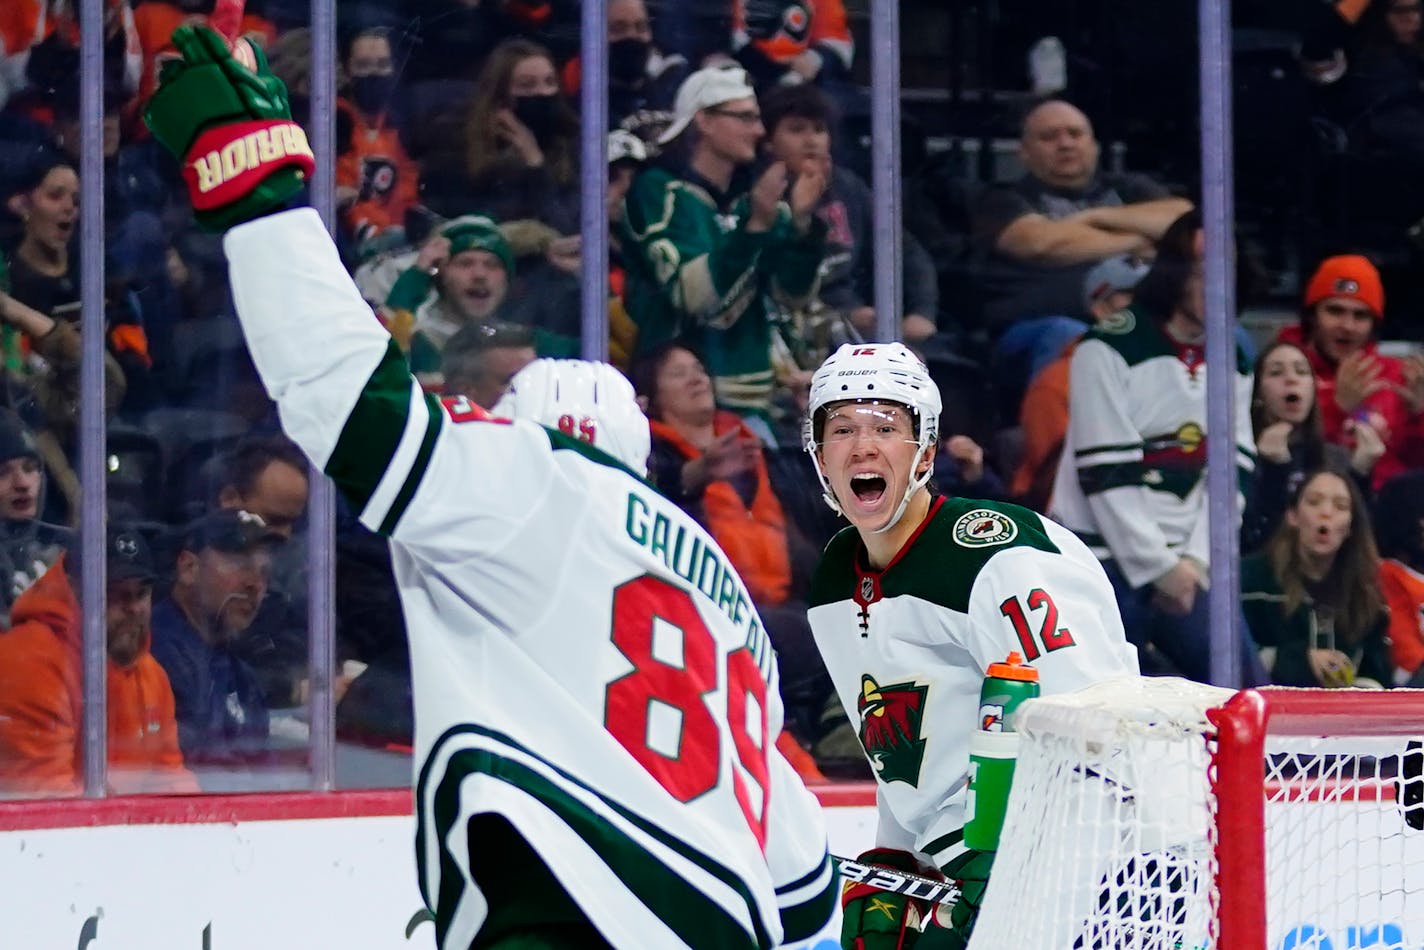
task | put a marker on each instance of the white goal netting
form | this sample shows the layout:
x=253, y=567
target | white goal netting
x=1113, y=822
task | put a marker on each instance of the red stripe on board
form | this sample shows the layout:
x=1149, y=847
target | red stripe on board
x=845, y=794
x=201, y=809
x=286, y=806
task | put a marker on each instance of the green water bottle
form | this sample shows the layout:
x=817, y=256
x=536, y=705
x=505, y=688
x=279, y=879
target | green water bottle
x=993, y=750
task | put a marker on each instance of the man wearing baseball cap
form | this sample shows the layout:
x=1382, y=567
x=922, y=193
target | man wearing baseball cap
x=1043, y=413
x=219, y=581
x=40, y=695
x=1356, y=384
x=704, y=256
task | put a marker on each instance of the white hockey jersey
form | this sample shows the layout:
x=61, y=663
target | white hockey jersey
x=908, y=647
x=1132, y=478
x=586, y=663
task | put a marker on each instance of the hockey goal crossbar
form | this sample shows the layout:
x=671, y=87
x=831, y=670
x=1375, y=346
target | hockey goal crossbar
x=1152, y=813
x=1239, y=775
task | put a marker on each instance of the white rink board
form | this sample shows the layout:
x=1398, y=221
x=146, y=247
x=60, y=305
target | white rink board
x=298, y=884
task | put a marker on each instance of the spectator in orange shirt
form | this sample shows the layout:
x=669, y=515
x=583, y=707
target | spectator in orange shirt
x=155, y=21
x=793, y=41
x=376, y=178
x=41, y=695
x=39, y=45
x=711, y=465
x=1399, y=530
x=1043, y=415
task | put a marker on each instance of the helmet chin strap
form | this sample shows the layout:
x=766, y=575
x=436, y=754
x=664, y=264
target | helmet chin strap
x=910, y=490
x=827, y=495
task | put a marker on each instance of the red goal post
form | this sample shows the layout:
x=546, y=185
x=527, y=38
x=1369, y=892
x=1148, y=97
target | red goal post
x=1158, y=814
x=1239, y=779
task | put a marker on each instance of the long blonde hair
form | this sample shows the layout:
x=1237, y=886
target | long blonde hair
x=482, y=150
x=1351, y=588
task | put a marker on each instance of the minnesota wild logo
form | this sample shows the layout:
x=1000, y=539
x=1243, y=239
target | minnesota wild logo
x=890, y=718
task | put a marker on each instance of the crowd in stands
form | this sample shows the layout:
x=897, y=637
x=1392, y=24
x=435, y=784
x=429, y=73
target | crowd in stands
x=1059, y=302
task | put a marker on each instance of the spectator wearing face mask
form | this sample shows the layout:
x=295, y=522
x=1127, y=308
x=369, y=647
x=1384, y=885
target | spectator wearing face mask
x=519, y=155
x=376, y=179
x=642, y=81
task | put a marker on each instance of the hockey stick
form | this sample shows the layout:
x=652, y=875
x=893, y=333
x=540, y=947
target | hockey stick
x=898, y=882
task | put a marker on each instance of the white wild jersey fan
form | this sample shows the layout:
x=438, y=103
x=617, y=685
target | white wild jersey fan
x=1156, y=814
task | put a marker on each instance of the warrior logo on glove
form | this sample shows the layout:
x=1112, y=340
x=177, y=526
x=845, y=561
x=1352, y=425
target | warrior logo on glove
x=221, y=171
x=231, y=123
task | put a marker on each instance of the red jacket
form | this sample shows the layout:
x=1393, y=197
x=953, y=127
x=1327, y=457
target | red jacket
x=754, y=538
x=41, y=705
x=1403, y=447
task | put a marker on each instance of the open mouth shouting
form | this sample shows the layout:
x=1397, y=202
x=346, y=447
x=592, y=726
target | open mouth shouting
x=869, y=489
x=1293, y=406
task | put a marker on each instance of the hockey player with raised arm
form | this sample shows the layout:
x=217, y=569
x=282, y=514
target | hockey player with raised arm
x=594, y=695
x=910, y=605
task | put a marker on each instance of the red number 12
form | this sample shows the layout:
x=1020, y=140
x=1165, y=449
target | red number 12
x=1050, y=634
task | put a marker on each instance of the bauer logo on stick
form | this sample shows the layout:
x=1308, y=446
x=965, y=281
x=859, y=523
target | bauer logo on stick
x=895, y=882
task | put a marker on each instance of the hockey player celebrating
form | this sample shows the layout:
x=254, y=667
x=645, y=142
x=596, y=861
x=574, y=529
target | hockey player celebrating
x=594, y=694
x=910, y=605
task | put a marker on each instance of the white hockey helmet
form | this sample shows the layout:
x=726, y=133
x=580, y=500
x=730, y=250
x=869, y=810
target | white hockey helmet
x=587, y=400
x=875, y=372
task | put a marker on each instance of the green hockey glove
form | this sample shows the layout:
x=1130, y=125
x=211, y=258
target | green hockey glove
x=231, y=127
x=951, y=927
x=876, y=919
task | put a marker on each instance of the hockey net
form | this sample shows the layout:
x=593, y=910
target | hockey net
x=1159, y=814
